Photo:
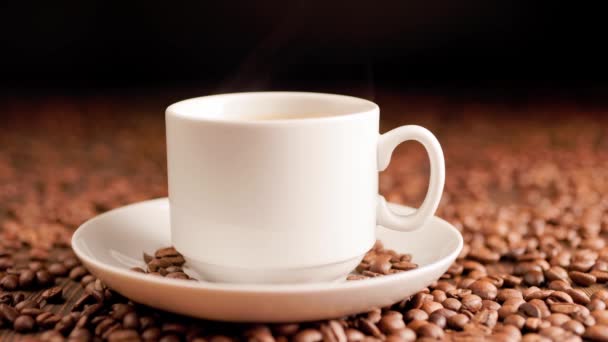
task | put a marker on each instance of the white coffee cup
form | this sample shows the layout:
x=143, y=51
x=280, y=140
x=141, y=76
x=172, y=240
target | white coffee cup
x=282, y=187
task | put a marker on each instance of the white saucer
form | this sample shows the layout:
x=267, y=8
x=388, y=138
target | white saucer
x=113, y=242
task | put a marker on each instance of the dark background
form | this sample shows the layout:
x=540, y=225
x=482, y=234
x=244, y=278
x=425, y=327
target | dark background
x=500, y=46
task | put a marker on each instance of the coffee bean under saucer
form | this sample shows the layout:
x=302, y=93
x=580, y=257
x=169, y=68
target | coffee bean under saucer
x=112, y=243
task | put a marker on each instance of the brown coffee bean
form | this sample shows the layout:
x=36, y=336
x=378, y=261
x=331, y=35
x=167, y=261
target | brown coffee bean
x=532, y=323
x=47, y=319
x=515, y=320
x=80, y=334
x=28, y=303
x=24, y=323
x=556, y=273
x=332, y=331
x=77, y=272
x=405, y=265
x=505, y=294
x=53, y=294
x=381, y=264
x=44, y=278
x=559, y=285
x=120, y=335
x=597, y=333
x=600, y=294
x=600, y=276
x=175, y=338
x=430, y=306
x=166, y=252
x=484, y=289
x=308, y=335
x=58, y=270
x=452, y=304
x=486, y=317
x=27, y=278
x=596, y=305
x=416, y=314
x=565, y=308
x=9, y=282
x=534, y=277
x=31, y=311
x=578, y=296
x=92, y=309
x=471, y=302
x=582, y=279
x=173, y=261
x=369, y=328
x=559, y=297
x=457, y=322
x=65, y=324
x=151, y=334
x=438, y=318
x=529, y=310
x=391, y=322
x=490, y=305
x=430, y=330
x=353, y=335
x=8, y=312
x=574, y=326
x=557, y=319
x=404, y=335
x=174, y=327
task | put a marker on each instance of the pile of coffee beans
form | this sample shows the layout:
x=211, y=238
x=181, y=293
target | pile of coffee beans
x=379, y=261
x=166, y=262
x=530, y=197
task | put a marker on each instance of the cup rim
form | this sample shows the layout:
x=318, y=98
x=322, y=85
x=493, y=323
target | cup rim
x=366, y=108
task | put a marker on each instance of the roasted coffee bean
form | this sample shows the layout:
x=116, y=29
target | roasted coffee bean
x=308, y=335
x=119, y=311
x=430, y=330
x=578, y=296
x=58, y=270
x=65, y=324
x=529, y=310
x=8, y=312
x=28, y=303
x=534, y=277
x=175, y=338
x=121, y=335
x=47, y=319
x=582, y=279
x=574, y=326
x=391, y=322
x=53, y=295
x=9, y=282
x=484, y=289
x=416, y=314
x=24, y=323
x=81, y=334
x=457, y=322
x=87, y=279
x=166, y=252
x=18, y=297
x=353, y=335
x=597, y=333
x=369, y=328
x=27, y=278
x=515, y=320
x=77, y=272
x=471, y=302
x=31, y=311
x=44, y=278
x=438, y=318
x=332, y=331
x=131, y=321
x=92, y=309
x=151, y=334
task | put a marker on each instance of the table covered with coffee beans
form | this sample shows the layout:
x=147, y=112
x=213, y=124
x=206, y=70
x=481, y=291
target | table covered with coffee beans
x=526, y=184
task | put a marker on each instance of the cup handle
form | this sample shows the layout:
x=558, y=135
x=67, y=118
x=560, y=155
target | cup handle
x=386, y=144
